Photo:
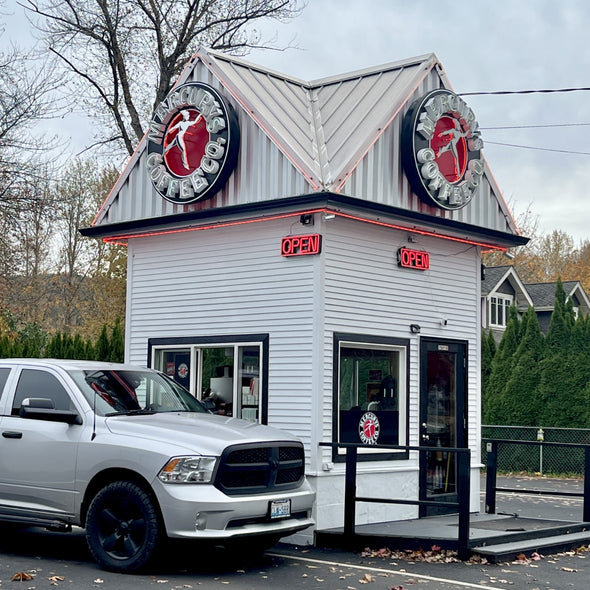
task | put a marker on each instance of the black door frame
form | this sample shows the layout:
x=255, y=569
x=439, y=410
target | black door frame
x=459, y=347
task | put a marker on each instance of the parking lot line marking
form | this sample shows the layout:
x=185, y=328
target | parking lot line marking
x=405, y=573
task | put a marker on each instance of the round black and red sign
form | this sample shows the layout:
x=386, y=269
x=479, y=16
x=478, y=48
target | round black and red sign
x=369, y=428
x=193, y=143
x=441, y=149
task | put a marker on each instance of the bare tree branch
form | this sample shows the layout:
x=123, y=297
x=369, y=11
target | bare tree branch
x=125, y=54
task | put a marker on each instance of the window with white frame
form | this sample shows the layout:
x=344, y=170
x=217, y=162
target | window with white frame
x=500, y=310
x=370, y=390
x=229, y=375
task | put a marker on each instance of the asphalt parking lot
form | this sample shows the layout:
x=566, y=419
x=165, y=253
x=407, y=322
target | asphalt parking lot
x=50, y=560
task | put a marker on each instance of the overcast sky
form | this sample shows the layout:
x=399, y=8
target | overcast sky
x=483, y=46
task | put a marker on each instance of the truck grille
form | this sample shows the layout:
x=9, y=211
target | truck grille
x=254, y=469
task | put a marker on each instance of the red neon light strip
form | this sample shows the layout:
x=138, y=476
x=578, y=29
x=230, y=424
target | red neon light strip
x=420, y=231
x=119, y=239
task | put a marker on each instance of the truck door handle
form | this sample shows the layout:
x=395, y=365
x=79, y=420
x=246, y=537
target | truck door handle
x=12, y=434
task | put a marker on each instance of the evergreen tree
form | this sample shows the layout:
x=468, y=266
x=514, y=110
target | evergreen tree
x=78, y=347
x=54, y=350
x=117, y=343
x=5, y=347
x=488, y=350
x=493, y=403
x=557, y=368
x=561, y=321
x=89, y=351
x=102, y=347
x=521, y=395
x=583, y=371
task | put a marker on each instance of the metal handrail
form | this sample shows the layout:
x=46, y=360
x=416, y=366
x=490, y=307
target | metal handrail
x=463, y=488
x=492, y=447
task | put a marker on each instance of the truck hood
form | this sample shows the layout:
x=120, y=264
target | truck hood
x=198, y=433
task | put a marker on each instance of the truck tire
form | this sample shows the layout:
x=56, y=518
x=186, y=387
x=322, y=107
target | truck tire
x=122, y=527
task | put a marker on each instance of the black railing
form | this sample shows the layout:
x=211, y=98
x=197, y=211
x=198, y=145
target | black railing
x=463, y=489
x=492, y=448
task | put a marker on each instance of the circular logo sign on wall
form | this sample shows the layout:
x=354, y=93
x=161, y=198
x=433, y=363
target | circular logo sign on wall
x=441, y=149
x=183, y=370
x=369, y=428
x=193, y=142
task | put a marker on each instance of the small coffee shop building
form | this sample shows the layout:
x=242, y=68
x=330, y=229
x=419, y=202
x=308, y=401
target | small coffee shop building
x=308, y=255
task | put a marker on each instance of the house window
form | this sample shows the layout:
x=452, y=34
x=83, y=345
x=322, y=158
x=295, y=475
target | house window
x=500, y=310
x=229, y=375
x=370, y=390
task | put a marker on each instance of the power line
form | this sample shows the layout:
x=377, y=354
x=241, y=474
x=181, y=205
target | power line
x=536, y=91
x=530, y=147
x=541, y=91
x=537, y=126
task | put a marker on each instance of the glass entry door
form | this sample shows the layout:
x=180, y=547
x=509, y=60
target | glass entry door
x=442, y=420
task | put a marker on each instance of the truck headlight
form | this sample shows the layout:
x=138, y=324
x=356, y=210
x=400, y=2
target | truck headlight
x=188, y=470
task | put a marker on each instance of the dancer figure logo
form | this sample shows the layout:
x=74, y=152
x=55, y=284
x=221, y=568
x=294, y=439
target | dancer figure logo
x=187, y=136
x=441, y=150
x=193, y=143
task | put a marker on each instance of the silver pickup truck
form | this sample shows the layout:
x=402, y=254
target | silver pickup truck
x=132, y=457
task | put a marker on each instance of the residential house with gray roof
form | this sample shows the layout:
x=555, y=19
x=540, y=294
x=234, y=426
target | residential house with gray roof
x=501, y=287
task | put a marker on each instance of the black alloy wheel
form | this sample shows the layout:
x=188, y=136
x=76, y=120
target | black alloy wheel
x=122, y=527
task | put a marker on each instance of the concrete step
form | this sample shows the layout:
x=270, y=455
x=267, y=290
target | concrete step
x=499, y=552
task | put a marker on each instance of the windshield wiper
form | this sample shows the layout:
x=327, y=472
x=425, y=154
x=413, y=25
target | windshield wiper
x=132, y=413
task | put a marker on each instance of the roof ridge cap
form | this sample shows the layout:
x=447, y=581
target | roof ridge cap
x=412, y=61
x=311, y=84
x=203, y=53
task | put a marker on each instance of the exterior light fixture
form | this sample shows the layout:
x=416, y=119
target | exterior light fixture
x=415, y=328
x=306, y=219
x=328, y=216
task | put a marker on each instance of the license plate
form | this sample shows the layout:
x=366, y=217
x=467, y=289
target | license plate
x=280, y=509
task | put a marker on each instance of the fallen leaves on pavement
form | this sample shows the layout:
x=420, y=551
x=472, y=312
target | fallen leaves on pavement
x=21, y=577
x=434, y=555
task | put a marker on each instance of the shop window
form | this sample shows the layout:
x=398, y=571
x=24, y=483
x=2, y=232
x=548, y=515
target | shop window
x=370, y=390
x=500, y=310
x=230, y=377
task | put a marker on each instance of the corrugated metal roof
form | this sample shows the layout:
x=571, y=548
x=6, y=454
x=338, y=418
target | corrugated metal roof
x=339, y=134
x=322, y=125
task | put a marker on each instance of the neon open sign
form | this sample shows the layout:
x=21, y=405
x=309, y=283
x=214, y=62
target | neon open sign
x=413, y=259
x=301, y=245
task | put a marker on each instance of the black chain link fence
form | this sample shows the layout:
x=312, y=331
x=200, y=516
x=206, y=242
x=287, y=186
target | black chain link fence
x=515, y=458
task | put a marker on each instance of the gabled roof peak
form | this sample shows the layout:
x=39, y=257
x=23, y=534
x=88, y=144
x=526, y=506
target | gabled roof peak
x=428, y=59
x=339, y=134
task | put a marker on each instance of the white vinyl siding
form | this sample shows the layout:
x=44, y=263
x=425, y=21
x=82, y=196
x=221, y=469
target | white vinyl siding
x=366, y=292
x=231, y=281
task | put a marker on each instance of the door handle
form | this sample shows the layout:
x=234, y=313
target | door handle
x=12, y=434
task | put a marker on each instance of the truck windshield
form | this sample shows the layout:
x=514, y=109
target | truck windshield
x=134, y=392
